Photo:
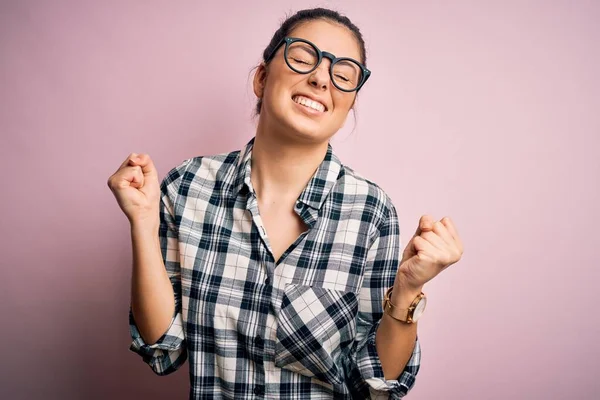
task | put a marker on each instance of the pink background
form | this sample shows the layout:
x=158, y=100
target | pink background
x=484, y=111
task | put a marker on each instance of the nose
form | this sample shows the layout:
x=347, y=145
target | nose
x=320, y=78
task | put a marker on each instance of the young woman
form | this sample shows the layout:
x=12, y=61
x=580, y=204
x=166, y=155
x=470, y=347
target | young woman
x=275, y=269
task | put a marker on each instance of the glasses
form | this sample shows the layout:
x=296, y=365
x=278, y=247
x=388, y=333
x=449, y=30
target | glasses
x=303, y=57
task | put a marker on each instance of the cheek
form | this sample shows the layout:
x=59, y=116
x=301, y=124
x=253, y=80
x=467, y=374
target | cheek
x=342, y=103
x=281, y=81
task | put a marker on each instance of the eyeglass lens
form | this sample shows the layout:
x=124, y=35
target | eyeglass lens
x=303, y=58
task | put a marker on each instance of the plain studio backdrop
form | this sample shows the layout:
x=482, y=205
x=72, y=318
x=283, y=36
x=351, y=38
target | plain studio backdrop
x=484, y=111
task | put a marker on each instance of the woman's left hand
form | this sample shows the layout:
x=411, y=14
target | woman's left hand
x=434, y=247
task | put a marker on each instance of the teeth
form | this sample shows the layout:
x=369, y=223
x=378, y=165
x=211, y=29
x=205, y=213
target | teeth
x=315, y=105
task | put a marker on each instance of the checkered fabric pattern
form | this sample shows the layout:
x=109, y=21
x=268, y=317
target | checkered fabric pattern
x=299, y=328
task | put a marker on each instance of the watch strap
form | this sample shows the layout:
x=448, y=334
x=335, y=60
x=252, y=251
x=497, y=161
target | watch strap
x=401, y=314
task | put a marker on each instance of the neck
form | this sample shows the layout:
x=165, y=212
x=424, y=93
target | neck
x=281, y=168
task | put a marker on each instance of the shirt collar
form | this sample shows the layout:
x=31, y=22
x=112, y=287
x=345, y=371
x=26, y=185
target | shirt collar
x=316, y=190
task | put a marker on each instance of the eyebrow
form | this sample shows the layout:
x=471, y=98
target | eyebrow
x=308, y=49
x=348, y=63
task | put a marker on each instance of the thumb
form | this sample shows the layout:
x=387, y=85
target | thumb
x=145, y=162
x=425, y=224
x=151, y=184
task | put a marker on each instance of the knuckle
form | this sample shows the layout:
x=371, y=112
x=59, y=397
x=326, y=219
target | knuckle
x=455, y=252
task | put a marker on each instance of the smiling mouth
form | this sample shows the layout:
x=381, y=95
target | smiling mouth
x=306, y=102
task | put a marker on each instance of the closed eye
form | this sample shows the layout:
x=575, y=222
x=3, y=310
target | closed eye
x=300, y=61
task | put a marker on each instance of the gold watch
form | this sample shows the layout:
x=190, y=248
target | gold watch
x=407, y=315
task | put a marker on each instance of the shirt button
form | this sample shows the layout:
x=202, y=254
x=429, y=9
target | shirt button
x=259, y=390
x=267, y=281
x=298, y=206
x=258, y=341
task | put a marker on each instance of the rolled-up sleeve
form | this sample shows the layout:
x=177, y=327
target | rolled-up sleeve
x=364, y=371
x=169, y=352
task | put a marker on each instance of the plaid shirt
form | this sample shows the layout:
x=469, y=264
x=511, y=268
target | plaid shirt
x=302, y=327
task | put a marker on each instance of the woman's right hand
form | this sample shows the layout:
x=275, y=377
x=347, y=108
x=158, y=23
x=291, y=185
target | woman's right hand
x=136, y=187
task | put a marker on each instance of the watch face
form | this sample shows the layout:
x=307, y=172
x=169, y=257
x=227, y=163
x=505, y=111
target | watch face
x=419, y=309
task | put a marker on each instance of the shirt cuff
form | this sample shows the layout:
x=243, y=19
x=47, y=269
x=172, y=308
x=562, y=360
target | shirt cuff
x=170, y=340
x=369, y=365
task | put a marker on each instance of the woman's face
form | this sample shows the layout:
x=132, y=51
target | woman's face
x=282, y=89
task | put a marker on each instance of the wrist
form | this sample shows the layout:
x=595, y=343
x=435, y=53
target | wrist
x=402, y=296
x=144, y=228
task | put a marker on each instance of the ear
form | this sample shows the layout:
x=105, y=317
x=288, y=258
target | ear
x=260, y=80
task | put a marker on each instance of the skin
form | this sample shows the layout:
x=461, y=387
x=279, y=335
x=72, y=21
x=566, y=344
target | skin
x=290, y=144
x=434, y=247
x=280, y=118
x=136, y=188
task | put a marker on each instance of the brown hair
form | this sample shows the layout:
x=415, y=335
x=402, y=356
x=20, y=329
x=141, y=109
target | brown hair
x=310, y=15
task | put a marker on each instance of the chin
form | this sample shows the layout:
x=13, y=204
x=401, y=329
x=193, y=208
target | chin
x=299, y=126
x=306, y=126
x=306, y=129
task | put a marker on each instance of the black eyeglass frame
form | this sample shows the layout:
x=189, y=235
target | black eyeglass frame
x=289, y=40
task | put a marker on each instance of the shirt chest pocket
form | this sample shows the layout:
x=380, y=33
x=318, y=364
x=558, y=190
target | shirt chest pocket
x=315, y=326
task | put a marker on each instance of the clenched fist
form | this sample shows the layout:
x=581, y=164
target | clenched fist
x=137, y=189
x=434, y=247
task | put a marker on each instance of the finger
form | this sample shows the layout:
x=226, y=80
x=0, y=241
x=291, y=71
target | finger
x=425, y=224
x=441, y=230
x=435, y=240
x=425, y=249
x=129, y=176
x=145, y=162
x=129, y=158
x=452, y=230
x=138, y=178
x=430, y=252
